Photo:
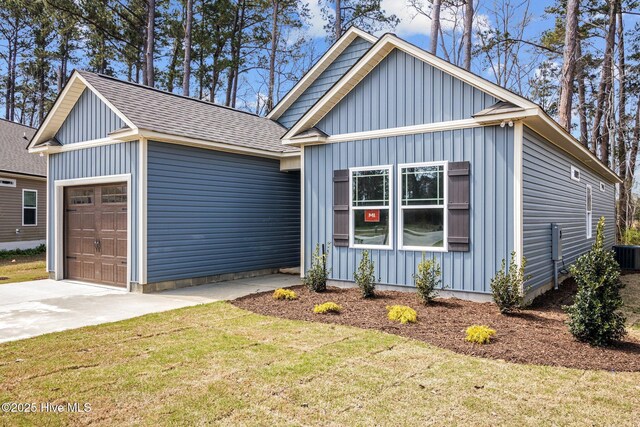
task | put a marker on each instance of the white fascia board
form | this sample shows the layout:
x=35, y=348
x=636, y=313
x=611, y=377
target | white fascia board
x=327, y=59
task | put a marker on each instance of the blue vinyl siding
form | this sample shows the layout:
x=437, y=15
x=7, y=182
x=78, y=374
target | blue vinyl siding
x=325, y=80
x=211, y=213
x=115, y=159
x=89, y=119
x=550, y=195
x=490, y=153
x=403, y=91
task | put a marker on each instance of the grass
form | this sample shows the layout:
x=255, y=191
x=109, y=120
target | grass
x=631, y=308
x=218, y=364
x=24, y=268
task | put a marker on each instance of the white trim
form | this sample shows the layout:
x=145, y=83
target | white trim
x=573, y=173
x=22, y=244
x=400, y=208
x=302, y=218
x=107, y=102
x=142, y=212
x=59, y=217
x=48, y=262
x=588, y=211
x=372, y=58
x=30, y=207
x=11, y=182
x=353, y=245
x=518, y=203
x=319, y=67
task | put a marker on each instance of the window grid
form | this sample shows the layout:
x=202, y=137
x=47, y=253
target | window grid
x=384, y=204
x=29, y=208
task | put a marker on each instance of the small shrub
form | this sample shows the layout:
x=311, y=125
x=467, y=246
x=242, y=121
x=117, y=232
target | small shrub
x=507, y=288
x=286, y=294
x=327, y=307
x=593, y=317
x=631, y=236
x=479, y=334
x=428, y=279
x=402, y=314
x=316, y=277
x=8, y=254
x=365, y=277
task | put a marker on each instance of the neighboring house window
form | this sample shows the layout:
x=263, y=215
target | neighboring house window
x=370, y=213
x=422, y=218
x=589, y=214
x=603, y=188
x=29, y=207
x=575, y=173
x=7, y=182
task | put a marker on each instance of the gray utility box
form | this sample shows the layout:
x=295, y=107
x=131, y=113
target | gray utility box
x=556, y=242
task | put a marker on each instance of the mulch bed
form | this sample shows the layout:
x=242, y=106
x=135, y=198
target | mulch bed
x=536, y=335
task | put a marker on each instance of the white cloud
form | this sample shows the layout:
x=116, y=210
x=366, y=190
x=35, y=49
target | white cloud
x=411, y=23
x=315, y=28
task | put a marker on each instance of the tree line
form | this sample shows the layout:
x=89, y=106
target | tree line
x=246, y=54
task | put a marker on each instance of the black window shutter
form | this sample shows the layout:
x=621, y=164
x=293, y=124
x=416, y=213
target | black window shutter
x=458, y=207
x=341, y=207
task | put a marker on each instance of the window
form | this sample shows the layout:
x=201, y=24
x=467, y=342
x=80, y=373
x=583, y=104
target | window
x=575, y=173
x=589, y=216
x=80, y=196
x=370, y=213
x=114, y=194
x=603, y=188
x=7, y=182
x=29, y=207
x=422, y=207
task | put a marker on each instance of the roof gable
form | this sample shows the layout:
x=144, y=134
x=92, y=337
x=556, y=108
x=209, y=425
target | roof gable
x=326, y=71
x=403, y=90
x=377, y=54
x=14, y=157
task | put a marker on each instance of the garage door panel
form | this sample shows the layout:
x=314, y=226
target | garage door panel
x=96, y=233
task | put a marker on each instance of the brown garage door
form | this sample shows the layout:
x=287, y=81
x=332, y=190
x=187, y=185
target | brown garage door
x=96, y=234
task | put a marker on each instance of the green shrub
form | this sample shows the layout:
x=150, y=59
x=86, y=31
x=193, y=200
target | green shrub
x=402, y=314
x=593, y=317
x=286, y=294
x=5, y=254
x=507, y=288
x=631, y=236
x=479, y=334
x=316, y=277
x=327, y=307
x=428, y=279
x=365, y=277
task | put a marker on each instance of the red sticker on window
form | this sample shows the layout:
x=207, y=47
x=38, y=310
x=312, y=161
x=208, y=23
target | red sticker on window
x=372, y=215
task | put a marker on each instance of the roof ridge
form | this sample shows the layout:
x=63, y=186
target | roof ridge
x=166, y=92
x=16, y=123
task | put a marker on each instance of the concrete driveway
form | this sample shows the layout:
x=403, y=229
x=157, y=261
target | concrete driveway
x=34, y=308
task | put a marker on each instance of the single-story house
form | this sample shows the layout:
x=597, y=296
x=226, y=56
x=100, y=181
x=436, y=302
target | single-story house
x=23, y=189
x=380, y=146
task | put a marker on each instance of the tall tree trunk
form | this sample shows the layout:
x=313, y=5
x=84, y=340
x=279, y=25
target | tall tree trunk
x=238, y=51
x=230, y=74
x=435, y=26
x=623, y=205
x=338, y=29
x=172, y=70
x=149, y=51
x=582, y=96
x=272, y=54
x=468, y=34
x=569, y=64
x=603, y=98
x=186, y=68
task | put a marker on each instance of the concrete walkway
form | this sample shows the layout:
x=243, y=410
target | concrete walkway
x=38, y=307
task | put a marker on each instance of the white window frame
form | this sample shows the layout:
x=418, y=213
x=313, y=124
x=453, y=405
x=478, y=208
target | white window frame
x=573, y=171
x=352, y=244
x=588, y=211
x=445, y=234
x=24, y=190
x=603, y=187
x=12, y=182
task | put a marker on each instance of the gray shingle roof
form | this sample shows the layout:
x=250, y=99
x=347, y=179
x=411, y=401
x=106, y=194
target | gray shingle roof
x=14, y=156
x=499, y=108
x=160, y=111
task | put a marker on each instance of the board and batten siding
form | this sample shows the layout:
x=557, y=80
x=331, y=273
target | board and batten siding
x=211, y=213
x=551, y=196
x=89, y=119
x=490, y=153
x=325, y=80
x=402, y=91
x=114, y=159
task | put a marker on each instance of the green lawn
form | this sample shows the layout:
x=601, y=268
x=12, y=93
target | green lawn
x=216, y=363
x=23, y=269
